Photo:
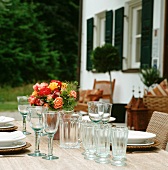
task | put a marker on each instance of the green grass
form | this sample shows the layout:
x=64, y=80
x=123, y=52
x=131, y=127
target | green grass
x=8, y=106
x=8, y=96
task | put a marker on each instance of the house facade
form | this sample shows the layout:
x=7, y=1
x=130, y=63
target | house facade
x=138, y=28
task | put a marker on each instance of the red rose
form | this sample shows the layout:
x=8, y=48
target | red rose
x=56, y=93
x=44, y=91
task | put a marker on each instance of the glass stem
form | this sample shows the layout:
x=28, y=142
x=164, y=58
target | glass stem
x=37, y=141
x=50, y=144
x=24, y=123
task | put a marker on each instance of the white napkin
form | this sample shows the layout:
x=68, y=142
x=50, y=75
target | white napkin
x=2, y=118
x=11, y=135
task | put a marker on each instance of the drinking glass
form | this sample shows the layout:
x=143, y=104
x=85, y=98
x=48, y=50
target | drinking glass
x=89, y=140
x=34, y=118
x=22, y=108
x=102, y=139
x=119, y=138
x=51, y=122
x=83, y=135
x=107, y=112
x=95, y=110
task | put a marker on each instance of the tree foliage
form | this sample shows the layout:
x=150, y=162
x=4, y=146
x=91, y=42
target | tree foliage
x=105, y=58
x=38, y=41
x=62, y=19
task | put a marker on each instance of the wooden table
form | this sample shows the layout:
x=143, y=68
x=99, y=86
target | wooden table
x=72, y=159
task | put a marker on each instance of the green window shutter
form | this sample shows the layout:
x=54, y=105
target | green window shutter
x=109, y=27
x=89, y=43
x=118, y=42
x=146, y=38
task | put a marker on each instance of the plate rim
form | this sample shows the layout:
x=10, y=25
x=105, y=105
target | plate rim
x=113, y=118
x=11, y=119
x=13, y=147
x=140, y=144
x=13, y=140
x=141, y=137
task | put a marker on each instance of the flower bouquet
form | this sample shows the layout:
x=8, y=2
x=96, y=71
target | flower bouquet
x=56, y=95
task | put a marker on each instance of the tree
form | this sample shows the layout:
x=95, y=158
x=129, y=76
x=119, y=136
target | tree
x=106, y=59
x=61, y=18
x=25, y=55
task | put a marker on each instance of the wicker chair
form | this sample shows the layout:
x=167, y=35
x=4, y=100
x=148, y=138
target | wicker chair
x=158, y=124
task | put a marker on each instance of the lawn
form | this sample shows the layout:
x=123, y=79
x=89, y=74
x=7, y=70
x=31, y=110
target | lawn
x=8, y=95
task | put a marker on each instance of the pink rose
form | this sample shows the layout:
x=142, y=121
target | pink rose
x=43, y=85
x=73, y=94
x=36, y=87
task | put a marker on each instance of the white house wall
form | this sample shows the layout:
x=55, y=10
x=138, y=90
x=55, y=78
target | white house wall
x=124, y=81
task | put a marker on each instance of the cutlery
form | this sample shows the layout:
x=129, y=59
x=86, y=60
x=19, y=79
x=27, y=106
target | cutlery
x=12, y=155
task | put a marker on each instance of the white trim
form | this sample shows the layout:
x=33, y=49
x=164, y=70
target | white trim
x=99, y=28
x=129, y=48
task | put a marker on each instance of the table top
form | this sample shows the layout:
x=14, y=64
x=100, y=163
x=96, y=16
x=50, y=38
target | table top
x=73, y=159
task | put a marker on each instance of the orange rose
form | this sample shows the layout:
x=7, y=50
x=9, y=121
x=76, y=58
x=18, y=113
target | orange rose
x=58, y=103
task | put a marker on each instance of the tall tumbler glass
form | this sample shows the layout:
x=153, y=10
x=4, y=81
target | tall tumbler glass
x=102, y=138
x=23, y=104
x=89, y=140
x=51, y=122
x=34, y=118
x=119, y=138
x=95, y=111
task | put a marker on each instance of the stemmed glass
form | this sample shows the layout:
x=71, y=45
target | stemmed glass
x=34, y=117
x=107, y=112
x=96, y=111
x=22, y=108
x=51, y=122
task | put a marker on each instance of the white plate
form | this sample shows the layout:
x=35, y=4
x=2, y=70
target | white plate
x=139, y=137
x=14, y=145
x=7, y=125
x=141, y=144
x=7, y=138
x=4, y=120
x=87, y=118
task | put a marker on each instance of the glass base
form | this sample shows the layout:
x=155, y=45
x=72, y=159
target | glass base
x=37, y=154
x=26, y=133
x=50, y=157
x=90, y=157
x=118, y=162
x=102, y=160
x=70, y=145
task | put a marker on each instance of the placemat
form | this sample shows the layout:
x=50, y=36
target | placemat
x=13, y=150
x=143, y=147
x=8, y=129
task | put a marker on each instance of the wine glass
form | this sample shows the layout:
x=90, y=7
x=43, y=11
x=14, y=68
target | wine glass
x=96, y=111
x=107, y=112
x=51, y=122
x=34, y=117
x=22, y=108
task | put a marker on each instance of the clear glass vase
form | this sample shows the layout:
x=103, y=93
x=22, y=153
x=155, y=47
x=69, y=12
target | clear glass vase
x=69, y=129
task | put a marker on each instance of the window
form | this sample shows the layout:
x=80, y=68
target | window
x=99, y=38
x=132, y=34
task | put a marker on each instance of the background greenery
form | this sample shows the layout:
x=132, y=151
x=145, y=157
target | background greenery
x=38, y=42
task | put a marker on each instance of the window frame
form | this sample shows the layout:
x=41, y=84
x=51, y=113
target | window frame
x=129, y=61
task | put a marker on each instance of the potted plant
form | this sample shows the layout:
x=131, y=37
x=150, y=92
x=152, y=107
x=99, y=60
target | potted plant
x=106, y=59
x=149, y=76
